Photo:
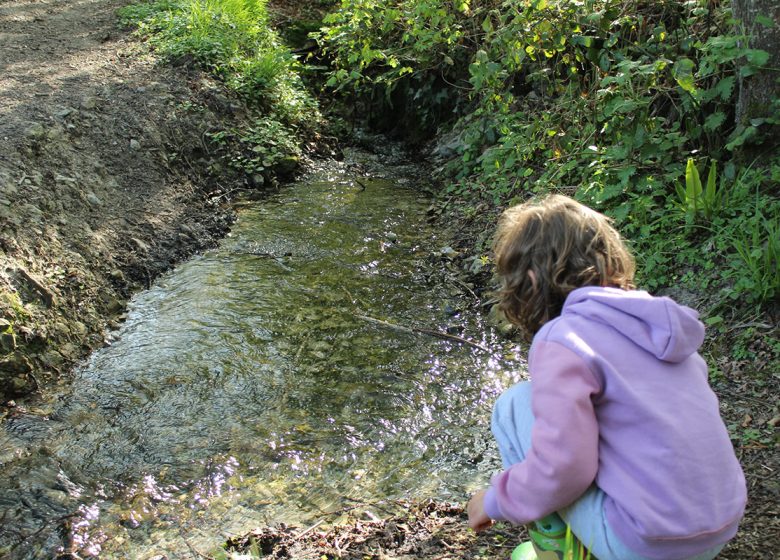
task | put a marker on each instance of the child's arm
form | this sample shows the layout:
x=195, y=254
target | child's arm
x=563, y=459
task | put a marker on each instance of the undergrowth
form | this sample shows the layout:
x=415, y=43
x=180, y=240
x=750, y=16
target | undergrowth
x=628, y=105
x=234, y=42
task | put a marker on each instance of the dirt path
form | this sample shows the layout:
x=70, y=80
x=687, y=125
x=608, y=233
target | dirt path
x=100, y=186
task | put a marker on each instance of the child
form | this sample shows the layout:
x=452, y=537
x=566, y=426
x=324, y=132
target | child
x=618, y=430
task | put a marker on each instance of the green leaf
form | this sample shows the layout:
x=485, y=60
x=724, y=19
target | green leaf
x=714, y=121
x=692, y=182
x=725, y=87
x=682, y=71
x=757, y=57
x=767, y=22
x=711, y=192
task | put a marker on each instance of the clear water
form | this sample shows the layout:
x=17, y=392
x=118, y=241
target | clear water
x=247, y=386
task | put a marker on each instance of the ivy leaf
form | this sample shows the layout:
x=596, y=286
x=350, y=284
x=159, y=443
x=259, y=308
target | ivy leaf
x=682, y=71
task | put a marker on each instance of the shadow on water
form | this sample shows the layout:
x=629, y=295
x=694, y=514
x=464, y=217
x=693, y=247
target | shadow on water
x=245, y=388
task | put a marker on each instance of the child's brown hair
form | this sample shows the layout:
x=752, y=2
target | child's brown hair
x=565, y=245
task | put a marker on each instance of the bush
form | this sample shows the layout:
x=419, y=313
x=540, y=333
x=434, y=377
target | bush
x=609, y=100
x=231, y=39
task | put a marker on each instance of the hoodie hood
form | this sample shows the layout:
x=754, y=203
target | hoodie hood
x=668, y=330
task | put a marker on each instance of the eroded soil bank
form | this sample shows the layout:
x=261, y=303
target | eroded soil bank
x=100, y=185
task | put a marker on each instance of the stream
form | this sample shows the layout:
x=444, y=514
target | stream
x=263, y=382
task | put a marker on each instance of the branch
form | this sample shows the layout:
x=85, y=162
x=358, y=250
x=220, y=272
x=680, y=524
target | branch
x=413, y=330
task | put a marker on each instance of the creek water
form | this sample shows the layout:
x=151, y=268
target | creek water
x=254, y=384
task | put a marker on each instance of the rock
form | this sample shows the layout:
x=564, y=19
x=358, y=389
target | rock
x=391, y=236
x=36, y=284
x=64, y=112
x=63, y=179
x=52, y=359
x=79, y=328
x=89, y=103
x=135, y=144
x=36, y=131
x=55, y=134
x=21, y=384
x=449, y=145
x=16, y=364
x=448, y=252
x=140, y=245
x=287, y=165
x=60, y=329
x=69, y=351
x=7, y=342
x=93, y=199
x=497, y=319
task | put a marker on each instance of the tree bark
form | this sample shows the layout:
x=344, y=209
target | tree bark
x=757, y=91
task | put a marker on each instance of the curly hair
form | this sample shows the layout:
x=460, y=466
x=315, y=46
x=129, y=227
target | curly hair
x=564, y=245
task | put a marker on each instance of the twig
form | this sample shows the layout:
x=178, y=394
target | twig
x=465, y=286
x=310, y=529
x=412, y=330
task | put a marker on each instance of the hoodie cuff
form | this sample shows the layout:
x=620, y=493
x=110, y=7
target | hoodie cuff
x=490, y=505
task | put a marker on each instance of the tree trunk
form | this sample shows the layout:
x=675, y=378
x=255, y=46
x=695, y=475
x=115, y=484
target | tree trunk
x=756, y=92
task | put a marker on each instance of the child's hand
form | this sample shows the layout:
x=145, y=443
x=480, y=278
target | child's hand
x=478, y=519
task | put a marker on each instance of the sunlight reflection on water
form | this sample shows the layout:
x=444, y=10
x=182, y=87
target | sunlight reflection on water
x=243, y=387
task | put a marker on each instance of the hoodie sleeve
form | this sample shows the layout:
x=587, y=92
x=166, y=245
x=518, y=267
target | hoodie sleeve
x=563, y=459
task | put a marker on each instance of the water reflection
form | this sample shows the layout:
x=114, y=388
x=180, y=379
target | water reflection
x=244, y=388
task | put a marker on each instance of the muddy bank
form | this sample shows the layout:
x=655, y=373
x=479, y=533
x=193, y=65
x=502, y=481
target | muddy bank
x=102, y=180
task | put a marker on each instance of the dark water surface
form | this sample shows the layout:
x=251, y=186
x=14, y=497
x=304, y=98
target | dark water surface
x=247, y=386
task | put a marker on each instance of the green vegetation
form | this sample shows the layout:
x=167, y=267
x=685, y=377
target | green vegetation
x=234, y=42
x=618, y=102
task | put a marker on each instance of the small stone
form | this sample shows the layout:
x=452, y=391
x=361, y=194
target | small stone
x=64, y=112
x=448, y=252
x=93, y=199
x=55, y=134
x=391, y=236
x=16, y=364
x=20, y=384
x=135, y=144
x=36, y=131
x=79, y=328
x=140, y=245
x=52, y=359
x=89, y=103
x=8, y=342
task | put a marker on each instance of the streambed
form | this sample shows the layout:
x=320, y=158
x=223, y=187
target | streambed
x=260, y=382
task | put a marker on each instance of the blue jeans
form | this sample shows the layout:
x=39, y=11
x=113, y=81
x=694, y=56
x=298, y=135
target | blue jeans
x=511, y=425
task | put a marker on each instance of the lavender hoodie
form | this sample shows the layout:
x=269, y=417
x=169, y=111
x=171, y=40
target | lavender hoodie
x=620, y=397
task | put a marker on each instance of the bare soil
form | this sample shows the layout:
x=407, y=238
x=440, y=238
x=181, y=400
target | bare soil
x=100, y=188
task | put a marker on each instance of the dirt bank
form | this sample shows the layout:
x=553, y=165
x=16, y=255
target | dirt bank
x=101, y=187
